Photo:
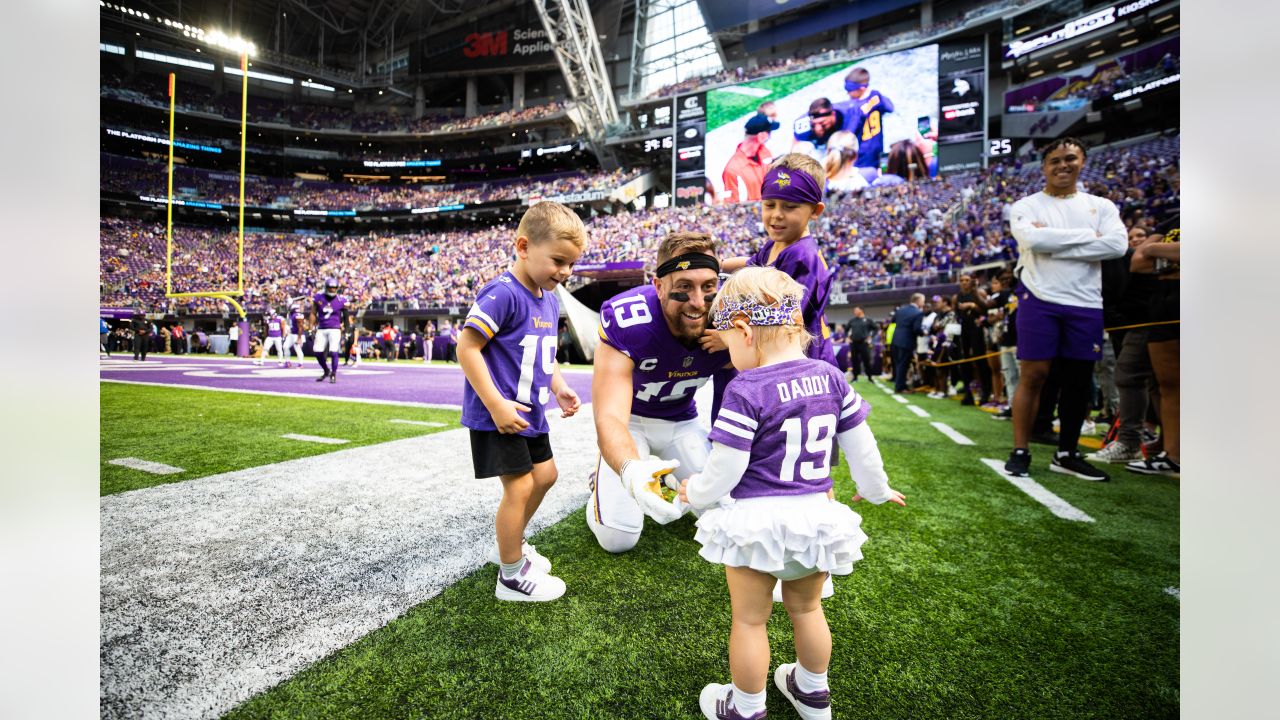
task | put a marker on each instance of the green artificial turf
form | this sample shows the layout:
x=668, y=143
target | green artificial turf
x=206, y=432
x=723, y=106
x=972, y=602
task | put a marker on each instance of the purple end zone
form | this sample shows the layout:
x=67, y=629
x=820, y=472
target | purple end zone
x=385, y=382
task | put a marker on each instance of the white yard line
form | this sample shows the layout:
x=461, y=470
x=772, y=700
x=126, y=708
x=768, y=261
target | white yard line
x=950, y=432
x=154, y=468
x=315, y=439
x=899, y=398
x=1040, y=493
x=247, y=391
x=919, y=411
x=216, y=589
x=424, y=423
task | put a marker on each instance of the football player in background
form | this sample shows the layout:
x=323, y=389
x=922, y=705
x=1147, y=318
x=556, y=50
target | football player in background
x=328, y=309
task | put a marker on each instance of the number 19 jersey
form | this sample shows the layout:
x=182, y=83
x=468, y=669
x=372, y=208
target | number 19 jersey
x=520, y=354
x=787, y=416
x=666, y=372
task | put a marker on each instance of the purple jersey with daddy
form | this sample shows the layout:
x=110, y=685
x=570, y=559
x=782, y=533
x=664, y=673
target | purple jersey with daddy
x=329, y=311
x=804, y=263
x=273, y=326
x=520, y=353
x=666, y=372
x=787, y=416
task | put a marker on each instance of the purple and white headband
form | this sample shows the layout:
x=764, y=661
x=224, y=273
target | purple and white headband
x=782, y=312
x=790, y=185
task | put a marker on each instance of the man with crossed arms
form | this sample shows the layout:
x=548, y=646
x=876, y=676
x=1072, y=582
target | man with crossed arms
x=652, y=356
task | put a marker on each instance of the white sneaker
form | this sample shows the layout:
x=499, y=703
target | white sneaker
x=810, y=706
x=1088, y=427
x=530, y=552
x=716, y=703
x=528, y=585
x=828, y=589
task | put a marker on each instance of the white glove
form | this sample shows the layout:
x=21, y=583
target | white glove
x=639, y=477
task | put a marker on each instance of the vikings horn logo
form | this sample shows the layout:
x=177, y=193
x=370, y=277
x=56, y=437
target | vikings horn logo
x=688, y=360
x=682, y=265
x=782, y=180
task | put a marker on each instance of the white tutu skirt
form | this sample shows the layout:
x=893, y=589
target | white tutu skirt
x=788, y=536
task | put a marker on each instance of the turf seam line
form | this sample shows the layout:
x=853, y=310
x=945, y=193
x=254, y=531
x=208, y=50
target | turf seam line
x=950, y=432
x=1041, y=494
x=148, y=466
x=315, y=439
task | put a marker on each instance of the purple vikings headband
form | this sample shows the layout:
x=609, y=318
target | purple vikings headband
x=790, y=185
x=779, y=313
x=850, y=85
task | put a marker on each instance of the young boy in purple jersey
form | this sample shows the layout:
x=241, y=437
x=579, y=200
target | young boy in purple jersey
x=507, y=349
x=864, y=117
x=766, y=485
x=327, y=315
x=790, y=198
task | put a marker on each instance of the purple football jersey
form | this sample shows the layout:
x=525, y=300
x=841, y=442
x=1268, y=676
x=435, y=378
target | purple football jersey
x=295, y=322
x=666, y=372
x=273, y=326
x=803, y=261
x=520, y=354
x=787, y=416
x=329, y=312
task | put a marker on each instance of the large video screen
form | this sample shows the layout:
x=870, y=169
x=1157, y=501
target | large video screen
x=817, y=115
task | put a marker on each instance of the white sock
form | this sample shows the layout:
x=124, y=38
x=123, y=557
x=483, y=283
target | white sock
x=810, y=681
x=509, y=571
x=747, y=703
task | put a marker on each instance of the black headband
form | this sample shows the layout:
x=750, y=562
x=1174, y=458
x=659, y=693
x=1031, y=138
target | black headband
x=688, y=261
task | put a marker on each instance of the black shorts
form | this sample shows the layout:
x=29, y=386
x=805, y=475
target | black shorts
x=494, y=454
x=1164, y=307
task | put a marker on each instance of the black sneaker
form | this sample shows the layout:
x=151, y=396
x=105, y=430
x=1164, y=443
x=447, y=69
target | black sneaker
x=1005, y=414
x=322, y=377
x=1160, y=464
x=1073, y=463
x=1045, y=438
x=1019, y=464
x=333, y=378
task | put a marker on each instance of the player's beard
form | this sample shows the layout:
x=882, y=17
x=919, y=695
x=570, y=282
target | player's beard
x=686, y=331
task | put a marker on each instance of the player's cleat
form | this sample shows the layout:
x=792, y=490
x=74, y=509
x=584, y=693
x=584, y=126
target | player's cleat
x=828, y=589
x=322, y=377
x=1005, y=414
x=528, y=585
x=1073, y=463
x=1019, y=464
x=333, y=378
x=1160, y=464
x=716, y=703
x=1115, y=452
x=530, y=553
x=814, y=705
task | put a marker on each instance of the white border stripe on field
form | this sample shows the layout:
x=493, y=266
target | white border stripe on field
x=899, y=398
x=154, y=468
x=424, y=423
x=246, y=391
x=315, y=439
x=1040, y=493
x=950, y=432
x=919, y=411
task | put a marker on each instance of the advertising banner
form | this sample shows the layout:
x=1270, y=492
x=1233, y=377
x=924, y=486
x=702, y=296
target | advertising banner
x=511, y=39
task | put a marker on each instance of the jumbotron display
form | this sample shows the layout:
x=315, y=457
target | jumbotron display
x=847, y=116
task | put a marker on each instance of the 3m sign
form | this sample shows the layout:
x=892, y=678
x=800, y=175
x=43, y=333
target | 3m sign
x=490, y=44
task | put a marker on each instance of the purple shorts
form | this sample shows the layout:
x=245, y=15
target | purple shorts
x=1048, y=330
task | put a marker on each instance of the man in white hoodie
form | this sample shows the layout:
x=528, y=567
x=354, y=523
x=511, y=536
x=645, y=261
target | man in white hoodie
x=1063, y=236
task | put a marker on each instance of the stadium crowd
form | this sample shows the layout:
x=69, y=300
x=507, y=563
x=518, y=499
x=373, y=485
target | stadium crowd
x=141, y=177
x=895, y=235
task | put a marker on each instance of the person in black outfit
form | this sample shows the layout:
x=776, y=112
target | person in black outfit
x=141, y=333
x=859, y=329
x=971, y=307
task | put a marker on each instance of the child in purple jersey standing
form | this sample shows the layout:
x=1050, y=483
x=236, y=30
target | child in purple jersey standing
x=790, y=198
x=767, y=483
x=507, y=349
